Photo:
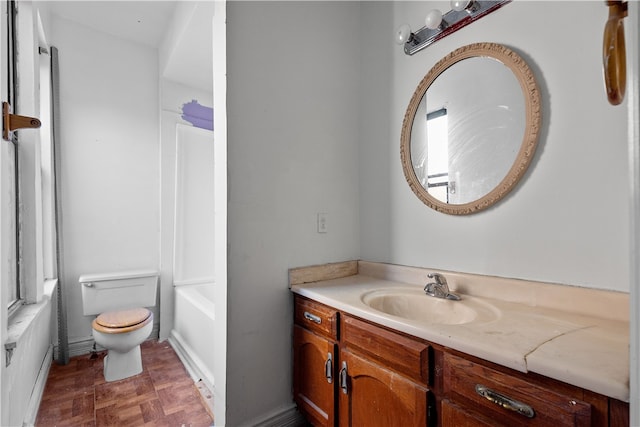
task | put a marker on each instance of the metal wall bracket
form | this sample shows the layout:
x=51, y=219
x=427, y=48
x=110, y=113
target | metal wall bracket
x=11, y=122
x=8, y=352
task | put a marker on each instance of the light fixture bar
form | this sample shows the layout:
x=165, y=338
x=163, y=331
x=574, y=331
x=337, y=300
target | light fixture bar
x=452, y=22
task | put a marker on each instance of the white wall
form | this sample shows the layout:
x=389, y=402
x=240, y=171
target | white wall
x=110, y=158
x=567, y=220
x=219, y=68
x=185, y=53
x=292, y=106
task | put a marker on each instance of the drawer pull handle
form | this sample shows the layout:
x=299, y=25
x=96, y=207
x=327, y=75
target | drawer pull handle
x=328, y=368
x=312, y=317
x=343, y=378
x=504, y=401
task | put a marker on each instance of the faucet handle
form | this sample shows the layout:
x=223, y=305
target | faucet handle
x=435, y=290
x=439, y=278
x=439, y=288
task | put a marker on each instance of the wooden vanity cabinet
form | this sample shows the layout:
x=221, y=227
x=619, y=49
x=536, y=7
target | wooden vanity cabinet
x=348, y=372
x=351, y=372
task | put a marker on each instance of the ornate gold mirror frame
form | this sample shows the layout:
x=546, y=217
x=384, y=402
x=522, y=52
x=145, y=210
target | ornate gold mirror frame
x=531, y=95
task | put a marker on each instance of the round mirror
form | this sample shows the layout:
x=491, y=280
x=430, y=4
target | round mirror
x=471, y=129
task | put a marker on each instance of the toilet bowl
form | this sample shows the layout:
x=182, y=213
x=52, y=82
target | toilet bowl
x=122, y=332
x=123, y=322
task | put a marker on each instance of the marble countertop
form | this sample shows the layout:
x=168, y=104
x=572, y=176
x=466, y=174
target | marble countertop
x=578, y=348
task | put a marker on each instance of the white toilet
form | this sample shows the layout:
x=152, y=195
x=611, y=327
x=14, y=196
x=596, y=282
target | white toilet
x=123, y=321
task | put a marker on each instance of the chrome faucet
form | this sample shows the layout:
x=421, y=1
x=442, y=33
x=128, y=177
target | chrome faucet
x=439, y=288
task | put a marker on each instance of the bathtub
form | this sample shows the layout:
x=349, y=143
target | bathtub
x=192, y=333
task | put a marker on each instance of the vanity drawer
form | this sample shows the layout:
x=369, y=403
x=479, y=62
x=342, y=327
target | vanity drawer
x=316, y=317
x=400, y=353
x=509, y=400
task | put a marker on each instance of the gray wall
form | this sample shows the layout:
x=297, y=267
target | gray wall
x=293, y=98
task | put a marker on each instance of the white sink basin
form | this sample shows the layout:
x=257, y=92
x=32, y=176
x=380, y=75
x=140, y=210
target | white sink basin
x=414, y=304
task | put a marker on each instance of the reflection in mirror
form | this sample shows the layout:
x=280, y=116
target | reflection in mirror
x=471, y=129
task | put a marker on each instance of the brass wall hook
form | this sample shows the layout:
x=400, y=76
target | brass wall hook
x=614, y=59
x=11, y=122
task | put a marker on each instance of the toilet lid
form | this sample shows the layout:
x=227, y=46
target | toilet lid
x=123, y=318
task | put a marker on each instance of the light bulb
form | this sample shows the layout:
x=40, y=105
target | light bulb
x=403, y=34
x=433, y=19
x=460, y=5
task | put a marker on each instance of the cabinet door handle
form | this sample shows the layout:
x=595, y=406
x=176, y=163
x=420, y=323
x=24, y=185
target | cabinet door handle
x=505, y=401
x=312, y=317
x=328, y=368
x=343, y=378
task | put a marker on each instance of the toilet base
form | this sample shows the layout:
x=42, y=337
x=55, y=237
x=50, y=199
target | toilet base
x=118, y=366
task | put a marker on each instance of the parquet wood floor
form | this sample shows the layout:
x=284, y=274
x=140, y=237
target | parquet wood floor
x=162, y=395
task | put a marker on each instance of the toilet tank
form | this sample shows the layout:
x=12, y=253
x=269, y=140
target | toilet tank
x=118, y=291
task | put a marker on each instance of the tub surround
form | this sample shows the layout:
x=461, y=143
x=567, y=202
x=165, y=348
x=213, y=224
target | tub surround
x=563, y=332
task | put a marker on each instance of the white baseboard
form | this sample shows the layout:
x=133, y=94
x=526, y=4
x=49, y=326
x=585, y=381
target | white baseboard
x=80, y=347
x=38, y=389
x=85, y=345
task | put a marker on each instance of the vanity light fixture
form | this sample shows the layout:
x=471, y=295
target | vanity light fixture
x=437, y=25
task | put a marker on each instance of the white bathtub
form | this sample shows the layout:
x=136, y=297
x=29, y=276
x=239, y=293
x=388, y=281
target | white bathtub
x=192, y=333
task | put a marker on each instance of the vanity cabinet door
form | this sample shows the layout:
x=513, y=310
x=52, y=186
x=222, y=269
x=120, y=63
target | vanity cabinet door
x=373, y=396
x=313, y=376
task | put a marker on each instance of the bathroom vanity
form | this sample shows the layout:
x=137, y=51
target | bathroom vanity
x=364, y=356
